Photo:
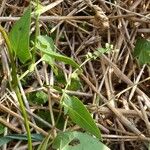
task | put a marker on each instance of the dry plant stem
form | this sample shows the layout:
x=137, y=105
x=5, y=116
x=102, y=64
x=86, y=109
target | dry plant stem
x=107, y=111
x=124, y=24
x=6, y=132
x=25, y=147
x=65, y=124
x=135, y=4
x=143, y=30
x=2, y=6
x=77, y=93
x=5, y=109
x=71, y=13
x=120, y=131
x=93, y=73
x=135, y=108
x=6, y=71
x=31, y=113
x=50, y=103
x=58, y=18
x=102, y=128
x=131, y=12
x=103, y=80
x=136, y=82
x=50, y=6
x=123, y=119
x=120, y=126
x=118, y=47
x=145, y=117
x=122, y=147
x=126, y=80
x=124, y=137
x=25, y=99
x=38, y=77
x=125, y=104
x=125, y=62
x=107, y=85
x=15, y=102
x=128, y=88
x=9, y=125
x=75, y=25
x=16, y=146
x=95, y=82
x=40, y=119
x=67, y=38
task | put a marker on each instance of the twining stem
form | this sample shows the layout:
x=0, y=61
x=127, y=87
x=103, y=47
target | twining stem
x=37, y=33
x=67, y=85
x=14, y=85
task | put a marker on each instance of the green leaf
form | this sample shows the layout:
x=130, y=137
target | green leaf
x=8, y=138
x=35, y=137
x=45, y=115
x=62, y=58
x=4, y=140
x=80, y=115
x=2, y=128
x=46, y=45
x=60, y=79
x=75, y=82
x=77, y=141
x=74, y=85
x=38, y=97
x=19, y=37
x=142, y=51
x=38, y=9
x=49, y=60
x=42, y=96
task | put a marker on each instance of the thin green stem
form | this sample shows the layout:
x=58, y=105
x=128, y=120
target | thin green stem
x=25, y=117
x=14, y=85
x=66, y=87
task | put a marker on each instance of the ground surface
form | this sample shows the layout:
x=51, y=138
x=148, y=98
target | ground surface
x=120, y=109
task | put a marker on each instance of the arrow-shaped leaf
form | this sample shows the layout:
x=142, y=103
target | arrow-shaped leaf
x=46, y=45
x=80, y=115
x=19, y=37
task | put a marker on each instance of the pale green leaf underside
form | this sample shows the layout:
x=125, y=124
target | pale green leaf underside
x=80, y=141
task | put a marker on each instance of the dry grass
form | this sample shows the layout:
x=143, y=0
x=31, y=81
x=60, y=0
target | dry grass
x=115, y=88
